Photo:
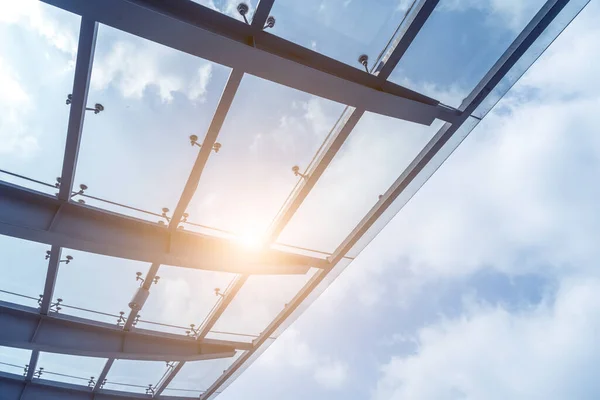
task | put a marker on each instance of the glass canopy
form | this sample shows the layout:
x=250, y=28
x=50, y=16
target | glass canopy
x=214, y=178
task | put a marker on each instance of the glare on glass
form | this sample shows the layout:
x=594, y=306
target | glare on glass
x=269, y=129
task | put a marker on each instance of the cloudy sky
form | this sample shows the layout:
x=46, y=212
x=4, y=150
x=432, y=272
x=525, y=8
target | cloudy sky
x=483, y=286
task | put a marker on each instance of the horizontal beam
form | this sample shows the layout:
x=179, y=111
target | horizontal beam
x=24, y=328
x=14, y=387
x=205, y=33
x=38, y=217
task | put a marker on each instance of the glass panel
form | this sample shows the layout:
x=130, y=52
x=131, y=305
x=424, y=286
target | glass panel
x=537, y=48
x=134, y=376
x=259, y=301
x=229, y=7
x=23, y=270
x=340, y=29
x=371, y=159
x=77, y=370
x=38, y=48
x=14, y=360
x=137, y=151
x=197, y=376
x=458, y=45
x=269, y=129
x=98, y=286
x=182, y=296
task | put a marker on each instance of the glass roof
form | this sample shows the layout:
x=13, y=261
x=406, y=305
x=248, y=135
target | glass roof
x=339, y=28
x=291, y=185
x=155, y=98
x=458, y=45
x=271, y=128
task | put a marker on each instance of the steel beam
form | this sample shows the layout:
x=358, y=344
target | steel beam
x=523, y=42
x=199, y=31
x=233, y=83
x=23, y=327
x=411, y=26
x=51, y=275
x=34, y=216
x=14, y=387
x=83, y=72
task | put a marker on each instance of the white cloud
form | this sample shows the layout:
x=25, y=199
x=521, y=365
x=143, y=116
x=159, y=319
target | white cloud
x=513, y=14
x=135, y=65
x=15, y=104
x=291, y=350
x=34, y=15
x=546, y=352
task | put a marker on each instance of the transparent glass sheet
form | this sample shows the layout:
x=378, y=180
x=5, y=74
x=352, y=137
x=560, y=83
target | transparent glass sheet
x=197, y=376
x=137, y=151
x=77, y=370
x=257, y=304
x=38, y=48
x=459, y=44
x=182, y=296
x=23, y=270
x=229, y=7
x=13, y=360
x=340, y=29
x=97, y=285
x=134, y=376
x=269, y=129
x=372, y=158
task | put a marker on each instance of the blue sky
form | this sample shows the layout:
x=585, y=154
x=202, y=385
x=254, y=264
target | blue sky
x=483, y=286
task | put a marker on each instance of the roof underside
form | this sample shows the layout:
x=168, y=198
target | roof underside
x=164, y=242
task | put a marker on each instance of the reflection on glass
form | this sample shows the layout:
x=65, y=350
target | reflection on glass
x=373, y=157
x=182, y=296
x=340, y=29
x=13, y=360
x=197, y=376
x=99, y=287
x=134, y=376
x=459, y=44
x=269, y=129
x=38, y=47
x=137, y=151
x=23, y=270
x=77, y=370
x=229, y=7
x=257, y=304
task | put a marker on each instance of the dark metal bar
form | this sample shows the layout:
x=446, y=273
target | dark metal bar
x=227, y=97
x=102, y=377
x=261, y=14
x=23, y=327
x=205, y=33
x=83, y=71
x=51, y=275
x=26, y=214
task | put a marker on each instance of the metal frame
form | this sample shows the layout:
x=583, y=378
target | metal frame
x=246, y=49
